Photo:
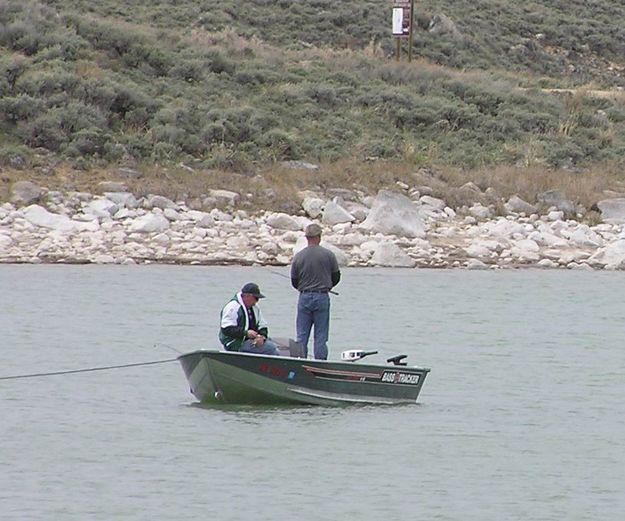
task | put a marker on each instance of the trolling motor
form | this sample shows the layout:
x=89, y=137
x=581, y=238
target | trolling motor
x=355, y=354
x=397, y=360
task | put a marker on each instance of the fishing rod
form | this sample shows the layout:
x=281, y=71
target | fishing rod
x=287, y=277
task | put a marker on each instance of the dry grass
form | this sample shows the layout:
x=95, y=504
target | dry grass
x=611, y=94
x=88, y=69
x=583, y=187
x=346, y=173
x=284, y=184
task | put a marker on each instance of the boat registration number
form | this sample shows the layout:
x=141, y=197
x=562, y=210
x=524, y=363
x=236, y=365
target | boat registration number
x=400, y=378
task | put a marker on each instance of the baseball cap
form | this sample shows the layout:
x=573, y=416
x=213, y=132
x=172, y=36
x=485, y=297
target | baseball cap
x=252, y=289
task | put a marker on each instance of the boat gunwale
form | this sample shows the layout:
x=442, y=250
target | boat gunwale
x=306, y=360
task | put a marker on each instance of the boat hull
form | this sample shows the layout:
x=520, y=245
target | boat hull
x=223, y=377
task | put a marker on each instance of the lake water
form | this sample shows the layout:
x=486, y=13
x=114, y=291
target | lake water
x=521, y=418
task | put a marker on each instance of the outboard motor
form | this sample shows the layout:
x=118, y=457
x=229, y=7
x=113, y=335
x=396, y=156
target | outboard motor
x=397, y=360
x=355, y=354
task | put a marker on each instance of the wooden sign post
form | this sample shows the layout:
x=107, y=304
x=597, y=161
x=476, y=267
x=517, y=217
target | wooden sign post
x=402, y=25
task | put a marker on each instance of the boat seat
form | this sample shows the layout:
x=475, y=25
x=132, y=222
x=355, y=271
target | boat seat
x=289, y=347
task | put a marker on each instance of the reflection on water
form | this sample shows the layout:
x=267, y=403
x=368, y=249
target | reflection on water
x=253, y=410
x=295, y=411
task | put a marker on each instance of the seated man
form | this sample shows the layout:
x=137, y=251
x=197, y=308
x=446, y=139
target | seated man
x=243, y=327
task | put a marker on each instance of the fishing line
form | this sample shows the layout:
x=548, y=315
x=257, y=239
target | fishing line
x=87, y=370
x=167, y=346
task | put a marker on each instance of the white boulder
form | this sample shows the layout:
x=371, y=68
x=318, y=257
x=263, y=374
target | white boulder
x=313, y=206
x=433, y=202
x=547, y=263
x=475, y=264
x=390, y=255
x=480, y=212
x=396, y=214
x=484, y=248
x=612, y=210
x=225, y=197
x=122, y=199
x=517, y=205
x=39, y=216
x=358, y=210
x=334, y=213
x=503, y=228
x=525, y=250
x=584, y=236
x=283, y=221
x=101, y=207
x=159, y=201
x=612, y=256
x=149, y=223
x=172, y=215
x=5, y=242
x=201, y=219
x=25, y=192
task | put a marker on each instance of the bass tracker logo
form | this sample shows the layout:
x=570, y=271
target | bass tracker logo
x=400, y=378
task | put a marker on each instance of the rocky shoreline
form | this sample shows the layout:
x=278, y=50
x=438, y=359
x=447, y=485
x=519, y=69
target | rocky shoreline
x=402, y=228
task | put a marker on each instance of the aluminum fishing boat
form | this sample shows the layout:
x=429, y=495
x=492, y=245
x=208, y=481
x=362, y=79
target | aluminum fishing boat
x=226, y=377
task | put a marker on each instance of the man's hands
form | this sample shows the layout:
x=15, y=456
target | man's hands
x=257, y=339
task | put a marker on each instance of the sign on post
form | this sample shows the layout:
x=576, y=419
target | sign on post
x=402, y=24
x=401, y=18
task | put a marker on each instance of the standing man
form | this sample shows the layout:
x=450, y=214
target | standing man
x=314, y=273
x=243, y=327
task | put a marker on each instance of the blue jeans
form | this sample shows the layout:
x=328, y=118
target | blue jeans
x=313, y=309
x=268, y=348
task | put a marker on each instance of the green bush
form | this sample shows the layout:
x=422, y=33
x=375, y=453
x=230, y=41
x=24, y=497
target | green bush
x=528, y=121
x=136, y=145
x=48, y=82
x=130, y=102
x=218, y=63
x=89, y=142
x=10, y=151
x=77, y=116
x=564, y=153
x=380, y=148
x=171, y=81
x=253, y=76
x=10, y=71
x=152, y=61
x=56, y=127
x=44, y=131
x=114, y=152
x=21, y=107
x=616, y=114
x=164, y=151
x=225, y=158
x=190, y=70
x=233, y=126
x=279, y=144
x=168, y=133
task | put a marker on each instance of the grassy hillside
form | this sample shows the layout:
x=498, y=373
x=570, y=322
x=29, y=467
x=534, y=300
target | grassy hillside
x=545, y=37
x=233, y=86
